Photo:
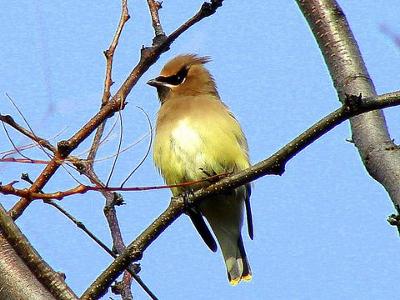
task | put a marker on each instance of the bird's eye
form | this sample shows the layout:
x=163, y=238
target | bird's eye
x=176, y=79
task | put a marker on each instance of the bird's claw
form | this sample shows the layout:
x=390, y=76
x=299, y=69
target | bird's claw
x=187, y=195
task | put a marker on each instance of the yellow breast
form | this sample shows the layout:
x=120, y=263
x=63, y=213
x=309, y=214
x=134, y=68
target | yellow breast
x=196, y=137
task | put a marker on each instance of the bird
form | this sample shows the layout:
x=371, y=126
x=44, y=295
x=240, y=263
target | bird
x=196, y=137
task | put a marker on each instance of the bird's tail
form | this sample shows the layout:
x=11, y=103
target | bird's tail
x=236, y=262
x=225, y=215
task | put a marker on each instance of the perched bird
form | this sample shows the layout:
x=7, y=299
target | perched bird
x=197, y=137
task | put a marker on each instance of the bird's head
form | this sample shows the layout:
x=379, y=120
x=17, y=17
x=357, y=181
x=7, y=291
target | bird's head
x=184, y=75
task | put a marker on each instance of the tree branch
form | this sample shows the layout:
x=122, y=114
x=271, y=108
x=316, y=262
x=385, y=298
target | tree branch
x=9, y=189
x=43, y=272
x=10, y=121
x=108, y=82
x=379, y=154
x=16, y=280
x=159, y=35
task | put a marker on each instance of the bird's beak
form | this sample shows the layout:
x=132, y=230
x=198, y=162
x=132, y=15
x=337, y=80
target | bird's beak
x=154, y=82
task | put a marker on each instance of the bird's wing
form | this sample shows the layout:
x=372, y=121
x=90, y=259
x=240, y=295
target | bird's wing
x=249, y=215
x=202, y=228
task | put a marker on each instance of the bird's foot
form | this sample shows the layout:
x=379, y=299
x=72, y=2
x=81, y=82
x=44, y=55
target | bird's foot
x=187, y=195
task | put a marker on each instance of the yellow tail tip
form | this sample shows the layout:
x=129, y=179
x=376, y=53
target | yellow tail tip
x=247, y=277
x=235, y=281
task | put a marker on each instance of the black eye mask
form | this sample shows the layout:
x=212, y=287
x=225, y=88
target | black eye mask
x=175, y=79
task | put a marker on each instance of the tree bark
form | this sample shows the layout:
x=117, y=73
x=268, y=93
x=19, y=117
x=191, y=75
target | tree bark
x=16, y=280
x=381, y=157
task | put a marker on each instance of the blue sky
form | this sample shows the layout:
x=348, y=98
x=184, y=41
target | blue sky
x=320, y=229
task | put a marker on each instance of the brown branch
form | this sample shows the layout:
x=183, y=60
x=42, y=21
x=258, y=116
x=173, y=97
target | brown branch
x=109, y=54
x=107, y=192
x=159, y=35
x=275, y=164
x=43, y=272
x=24, y=160
x=10, y=121
x=379, y=154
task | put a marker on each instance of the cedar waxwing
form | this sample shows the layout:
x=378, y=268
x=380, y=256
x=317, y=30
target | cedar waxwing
x=197, y=137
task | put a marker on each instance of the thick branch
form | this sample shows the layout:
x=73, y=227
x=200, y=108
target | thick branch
x=275, y=164
x=16, y=280
x=380, y=155
x=50, y=279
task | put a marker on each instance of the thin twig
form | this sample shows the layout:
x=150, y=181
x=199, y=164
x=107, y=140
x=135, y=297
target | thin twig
x=159, y=35
x=35, y=137
x=9, y=189
x=20, y=148
x=148, y=148
x=23, y=160
x=103, y=140
x=121, y=135
x=10, y=121
x=12, y=143
x=109, y=54
x=25, y=147
x=81, y=226
x=140, y=139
